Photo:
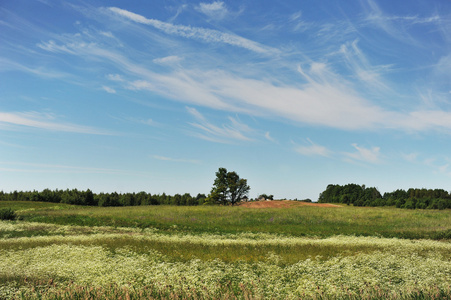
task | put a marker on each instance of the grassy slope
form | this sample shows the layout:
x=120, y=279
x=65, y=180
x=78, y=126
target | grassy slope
x=294, y=221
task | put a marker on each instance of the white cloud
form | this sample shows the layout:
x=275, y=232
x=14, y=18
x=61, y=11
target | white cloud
x=52, y=168
x=168, y=60
x=313, y=150
x=115, y=77
x=443, y=67
x=324, y=99
x=397, y=26
x=180, y=9
x=164, y=158
x=17, y=120
x=109, y=89
x=297, y=23
x=444, y=168
x=410, y=157
x=52, y=46
x=149, y=122
x=107, y=34
x=225, y=134
x=371, y=155
x=216, y=10
x=269, y=137
x=321, y=103
x=9, y=65
x=358, y=63
x=204, y=34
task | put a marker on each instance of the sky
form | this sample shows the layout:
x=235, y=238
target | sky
x=155, y=96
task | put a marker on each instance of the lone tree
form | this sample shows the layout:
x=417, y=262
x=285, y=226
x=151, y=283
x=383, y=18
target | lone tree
x=228, y=188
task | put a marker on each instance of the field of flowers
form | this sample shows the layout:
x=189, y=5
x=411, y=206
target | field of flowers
x=52, y=261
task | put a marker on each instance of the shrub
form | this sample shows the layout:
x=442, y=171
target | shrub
x=7, y=214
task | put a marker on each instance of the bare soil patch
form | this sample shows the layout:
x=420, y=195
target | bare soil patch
x=283, y=204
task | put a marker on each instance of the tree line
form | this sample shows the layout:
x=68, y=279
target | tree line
x=89, y=198
x=228, y=188
x=360, y=195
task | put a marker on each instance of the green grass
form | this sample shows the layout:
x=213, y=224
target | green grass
x=295, y=221
x=58, y=251
x=393, y=269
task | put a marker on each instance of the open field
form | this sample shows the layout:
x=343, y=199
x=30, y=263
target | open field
x=302, y=251
x=296, y=220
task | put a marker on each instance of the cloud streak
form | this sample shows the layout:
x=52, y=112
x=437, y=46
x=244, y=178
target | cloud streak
x=53, y=168
x=313, y=150
x=198, y=33
x=227, y=133
x=18, y=120
x=165, y=158
x=358, y=63
x=216, y=10
x=318, y=96
x=368, y=155
x=325, y=100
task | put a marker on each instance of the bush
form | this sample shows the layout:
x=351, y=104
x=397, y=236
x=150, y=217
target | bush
x=7, y=214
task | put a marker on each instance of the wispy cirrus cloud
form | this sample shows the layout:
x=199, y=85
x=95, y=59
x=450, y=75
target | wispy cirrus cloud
x=108, y=89
x=172, y=59
x=26, y=167
x=410, y=157
x=319, y=96
x=227, y=133
x=19, y=120
x=182, y=160
x=216, y=9
x=115, y=77
x=397, y=26
x=203, y=34
x=10, y=65
x=313, y=150
x=269, y=137
x=368, y=155
x=180, y=85
x=359, y=65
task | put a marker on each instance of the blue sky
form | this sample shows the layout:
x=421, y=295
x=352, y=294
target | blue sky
x=155, y=96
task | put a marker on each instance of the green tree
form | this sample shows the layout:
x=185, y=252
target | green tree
x=266, y=197
x=228, y=188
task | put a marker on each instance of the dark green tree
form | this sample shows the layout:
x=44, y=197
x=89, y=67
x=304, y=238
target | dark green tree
x=228, y=188
x=219, y=191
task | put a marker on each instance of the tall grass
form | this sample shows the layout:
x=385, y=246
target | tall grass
x=295, y=221
x=163, y=252
x=250, y=247
x=395, y=273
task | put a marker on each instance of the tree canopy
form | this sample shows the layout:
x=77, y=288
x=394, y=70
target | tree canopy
x=228, y=188
x=359, y=195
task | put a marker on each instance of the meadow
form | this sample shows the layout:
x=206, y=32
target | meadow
x=58, y=251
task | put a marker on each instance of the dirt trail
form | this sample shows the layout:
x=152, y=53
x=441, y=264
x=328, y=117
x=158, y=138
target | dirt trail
x=283, y=204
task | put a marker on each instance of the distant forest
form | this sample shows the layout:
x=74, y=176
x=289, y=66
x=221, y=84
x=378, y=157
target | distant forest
x=351, y=194
x=359, y=195
x=89, y=198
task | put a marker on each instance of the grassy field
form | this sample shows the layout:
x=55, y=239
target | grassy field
x=59, y=251
x=294, y=221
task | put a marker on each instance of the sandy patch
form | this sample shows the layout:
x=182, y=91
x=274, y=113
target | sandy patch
x=283, y=204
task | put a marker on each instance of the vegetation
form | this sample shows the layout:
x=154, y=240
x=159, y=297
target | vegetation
x=89, y=198
x=7, y=214
x=50, y=261
x=265, y=197
x=363, y=196
x=63, y=251
x=295, y=221
x=77, y=262
x=228, y=188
